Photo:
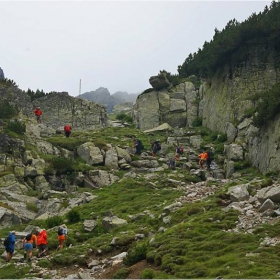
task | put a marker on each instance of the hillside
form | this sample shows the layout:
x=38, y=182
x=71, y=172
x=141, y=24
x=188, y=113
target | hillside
x=103, y=96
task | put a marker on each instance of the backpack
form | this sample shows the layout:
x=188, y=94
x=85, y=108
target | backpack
x=6, y=241
x=28, y=237
x=60, y=231
x=141, y=146
x=180, y=150
x=158, y=145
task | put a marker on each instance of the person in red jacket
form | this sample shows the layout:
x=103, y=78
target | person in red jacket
x=67, y=130
x=38, y=113
x=42, y=241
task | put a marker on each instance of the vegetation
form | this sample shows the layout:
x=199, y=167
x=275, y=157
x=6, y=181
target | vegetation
x=7, y=110
x=124, y=117
x=229, y=44
x=268, y=107
x=15, y=126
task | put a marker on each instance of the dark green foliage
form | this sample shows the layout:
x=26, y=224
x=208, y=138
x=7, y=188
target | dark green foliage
x=135, y=255
x=240, y=165
x=13, y=272
x=197, y=122
x=73, y=216
x=7, y=110
x=268, y=107
x=122, y=273
x=62, y=165
x=8, y=82
x=53, y=221
x=230, y=45
x=124, y=117
x=16, y=126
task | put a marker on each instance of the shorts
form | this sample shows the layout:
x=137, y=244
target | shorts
x=42, y=247
x=28, y=247
x=9, y=250
x=38, y=117
x=61, y=237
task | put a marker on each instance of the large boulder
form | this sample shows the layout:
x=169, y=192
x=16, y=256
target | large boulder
x=160, y=81
x=91, y=154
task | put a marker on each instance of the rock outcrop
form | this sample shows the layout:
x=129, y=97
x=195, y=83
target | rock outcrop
x=1, y=74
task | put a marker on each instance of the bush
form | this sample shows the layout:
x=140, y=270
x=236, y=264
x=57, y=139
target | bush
x=197, y=122
x=63, y=165
x=53, y=221
x=16, y=126
x=7, y=111
x=136, y=255
x=123, y=117
x=122, y=273
x=73, y=216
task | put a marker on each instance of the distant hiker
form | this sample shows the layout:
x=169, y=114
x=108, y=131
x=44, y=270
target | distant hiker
x=67, y=130
x=179, y=150
x=172, y=163
x=9, y=244
x=138, y=145
x=62, y=234
x=34, y=238
x=28, y=247
x=209, y=158
x=156, y=146
x=38, y=113
x=42, y=241
x=202, y=158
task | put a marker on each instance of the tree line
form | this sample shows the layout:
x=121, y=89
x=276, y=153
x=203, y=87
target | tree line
x=261, y=27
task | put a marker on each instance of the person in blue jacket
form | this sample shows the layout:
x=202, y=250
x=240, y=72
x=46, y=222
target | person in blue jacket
x=10, y=247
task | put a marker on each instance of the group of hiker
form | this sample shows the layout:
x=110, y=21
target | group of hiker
x=138, y=145
x=205, y=158
x=34, y=240
x=38, y=114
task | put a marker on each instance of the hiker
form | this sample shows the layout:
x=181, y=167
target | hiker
x=156, y=146
x=67, y=130
x=209, y=158
x=62, y=234
x=179, y=151
x=38, y=113
x=28, y=247
x=42, y=241
x=172, y=163
x=138, y=145
x=202, y=159
x=34, y=238
x=9, y=244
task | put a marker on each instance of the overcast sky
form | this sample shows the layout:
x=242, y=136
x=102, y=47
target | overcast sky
x=118, y=45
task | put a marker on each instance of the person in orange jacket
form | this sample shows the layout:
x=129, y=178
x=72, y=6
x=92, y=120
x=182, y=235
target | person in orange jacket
x=203, y=158
x=42, y=241
x=67, y=130
x=38, y=113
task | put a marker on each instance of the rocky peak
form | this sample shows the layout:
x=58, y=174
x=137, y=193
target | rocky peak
x=1, y=74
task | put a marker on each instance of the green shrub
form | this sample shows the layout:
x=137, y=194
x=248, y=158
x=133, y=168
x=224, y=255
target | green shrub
x=135, y=255
x=122, y=273
x=44, y=263
x=53, y=221
x=73, y=216
x=147, y=274
x=240, y=165
x=197, y=122
x=63, y=165
x=16, y=126
x=123, y=117
x=7, y=111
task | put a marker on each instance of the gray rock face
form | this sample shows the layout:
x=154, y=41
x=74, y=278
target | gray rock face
x=177, y=107
x=60, y=109
x=1, y=74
